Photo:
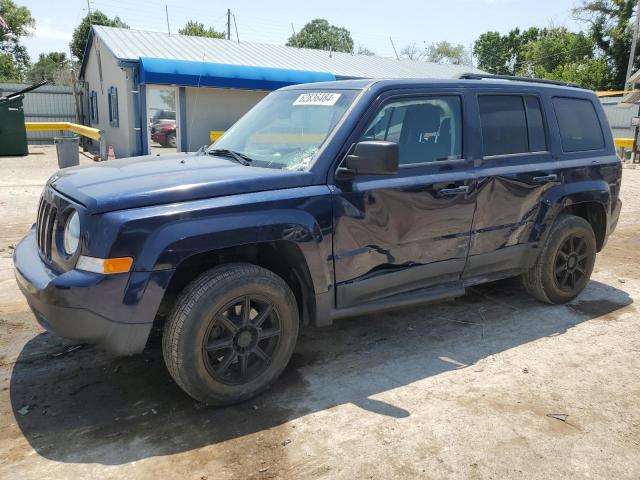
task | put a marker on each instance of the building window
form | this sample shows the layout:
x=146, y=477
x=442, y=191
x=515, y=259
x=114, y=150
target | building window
x=93, y=107
x=113, y=106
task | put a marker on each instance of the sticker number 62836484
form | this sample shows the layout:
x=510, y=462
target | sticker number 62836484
x=317, y=98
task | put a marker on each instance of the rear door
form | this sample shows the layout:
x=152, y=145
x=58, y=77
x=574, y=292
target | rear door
x=516, y=168
x=410, y=230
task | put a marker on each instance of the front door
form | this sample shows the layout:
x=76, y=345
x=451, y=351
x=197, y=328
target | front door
x=163, y=122
x=411, y=230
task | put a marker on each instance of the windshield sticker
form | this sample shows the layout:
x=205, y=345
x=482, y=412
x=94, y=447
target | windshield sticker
x=317, y=98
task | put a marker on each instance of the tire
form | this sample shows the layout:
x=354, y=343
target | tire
x=216, y=353
x=565, y=263
x=171, y=140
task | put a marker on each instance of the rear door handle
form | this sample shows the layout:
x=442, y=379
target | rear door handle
x=453, y=191
x=546, y=178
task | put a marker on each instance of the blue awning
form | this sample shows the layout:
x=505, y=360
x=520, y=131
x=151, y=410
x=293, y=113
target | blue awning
x=202, y=74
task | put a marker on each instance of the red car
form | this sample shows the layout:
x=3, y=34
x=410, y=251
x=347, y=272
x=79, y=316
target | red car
x=164, y=132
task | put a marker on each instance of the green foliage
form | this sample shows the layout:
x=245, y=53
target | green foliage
x=52, y=66
x=610, y=28
x=447, y=53
x=197, y=29
x=319, y=34
x=14, y=58
x=502, y=54
x=559, y=54
x=81, y=33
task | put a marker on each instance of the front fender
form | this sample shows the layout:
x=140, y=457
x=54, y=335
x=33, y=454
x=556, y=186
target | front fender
x=161, y=237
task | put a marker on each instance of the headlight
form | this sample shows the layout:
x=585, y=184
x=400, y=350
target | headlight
x=72, y=234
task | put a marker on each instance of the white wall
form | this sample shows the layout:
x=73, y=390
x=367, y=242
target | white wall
x=214, y=109
x=122, y=138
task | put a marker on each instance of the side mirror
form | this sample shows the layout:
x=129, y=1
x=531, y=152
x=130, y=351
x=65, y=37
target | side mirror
x=373, y=157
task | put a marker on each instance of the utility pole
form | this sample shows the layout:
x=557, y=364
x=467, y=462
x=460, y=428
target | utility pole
x=89, y=12
x=634, y=40
x=394, y=47
x=166, y=11
x=229, y=23
x=235, y=25
x=632, y=55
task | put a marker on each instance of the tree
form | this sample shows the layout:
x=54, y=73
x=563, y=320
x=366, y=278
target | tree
x=502, y=54
x=14, y=58
x=197, y=29
x=610, y=28
x=320, y=35
x=51, y=66
x=413, y=52
x=81, y=33
x=446, y=53
x=559, y=54
x=362, y=50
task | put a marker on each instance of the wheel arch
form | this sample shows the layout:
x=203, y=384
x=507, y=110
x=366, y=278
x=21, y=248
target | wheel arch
x=282, y=257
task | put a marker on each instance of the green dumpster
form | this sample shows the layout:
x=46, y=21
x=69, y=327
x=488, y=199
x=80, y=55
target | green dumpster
x=13, y=136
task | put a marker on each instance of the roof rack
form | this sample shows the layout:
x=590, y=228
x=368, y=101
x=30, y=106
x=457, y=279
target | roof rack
x=481, y=76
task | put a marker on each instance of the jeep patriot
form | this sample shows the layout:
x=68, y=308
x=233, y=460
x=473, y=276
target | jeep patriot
x=326, y=200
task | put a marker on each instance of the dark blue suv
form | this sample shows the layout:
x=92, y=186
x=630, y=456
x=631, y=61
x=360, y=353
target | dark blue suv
x=325, y=201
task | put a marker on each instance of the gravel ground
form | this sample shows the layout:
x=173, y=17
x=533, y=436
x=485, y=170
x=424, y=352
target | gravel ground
x=492, y=385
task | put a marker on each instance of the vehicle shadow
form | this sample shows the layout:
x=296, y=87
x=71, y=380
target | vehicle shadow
x=85, y=408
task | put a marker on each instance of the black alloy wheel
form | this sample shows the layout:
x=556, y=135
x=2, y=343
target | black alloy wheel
x=241, y=340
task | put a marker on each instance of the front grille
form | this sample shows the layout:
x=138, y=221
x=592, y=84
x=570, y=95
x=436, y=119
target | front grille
x=47, y=214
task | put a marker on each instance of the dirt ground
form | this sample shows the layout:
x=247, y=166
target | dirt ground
x=492, y=385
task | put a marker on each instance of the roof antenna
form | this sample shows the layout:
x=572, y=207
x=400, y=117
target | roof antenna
x=394, y=48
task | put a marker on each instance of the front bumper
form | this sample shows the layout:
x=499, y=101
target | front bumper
x=114, y=311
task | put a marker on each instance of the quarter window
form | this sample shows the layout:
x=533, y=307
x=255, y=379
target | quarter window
x=427, y=129
x=511, y=124
x=579, y=126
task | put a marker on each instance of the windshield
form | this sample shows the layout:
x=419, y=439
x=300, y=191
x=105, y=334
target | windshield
x=287, y=128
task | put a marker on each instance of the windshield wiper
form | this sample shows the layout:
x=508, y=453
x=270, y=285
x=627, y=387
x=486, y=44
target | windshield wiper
x=241, y=158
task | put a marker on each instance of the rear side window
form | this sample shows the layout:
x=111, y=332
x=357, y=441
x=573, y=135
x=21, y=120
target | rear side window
x=511, y=124
x=579, y=125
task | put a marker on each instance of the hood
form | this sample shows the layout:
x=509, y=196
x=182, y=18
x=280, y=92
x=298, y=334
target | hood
x=154, y=180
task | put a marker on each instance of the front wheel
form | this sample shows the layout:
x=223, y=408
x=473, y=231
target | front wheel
x=231, y=333
x=564, y=266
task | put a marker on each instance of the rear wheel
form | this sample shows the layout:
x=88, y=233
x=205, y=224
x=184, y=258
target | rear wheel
x=231, y=333
x=565, y=263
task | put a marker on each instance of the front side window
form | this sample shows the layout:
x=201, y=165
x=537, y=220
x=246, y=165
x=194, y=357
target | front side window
x=427, y=129
x=579, y=126
x=511, y=124
x=287, y=128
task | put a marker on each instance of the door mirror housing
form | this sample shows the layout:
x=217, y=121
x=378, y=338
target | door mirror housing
x=372, y=157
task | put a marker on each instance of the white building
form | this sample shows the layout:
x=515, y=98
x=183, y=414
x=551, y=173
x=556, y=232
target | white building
x=142, y=87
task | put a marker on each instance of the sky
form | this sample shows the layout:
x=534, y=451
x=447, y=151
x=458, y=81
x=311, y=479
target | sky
x=371, y=22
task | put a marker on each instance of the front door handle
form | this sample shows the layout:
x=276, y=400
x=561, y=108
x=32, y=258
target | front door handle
x=546, y=178
x=453, y=191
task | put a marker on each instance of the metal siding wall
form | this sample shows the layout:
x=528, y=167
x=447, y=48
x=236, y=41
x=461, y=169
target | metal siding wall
x=46, y=104
x=619, y=117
